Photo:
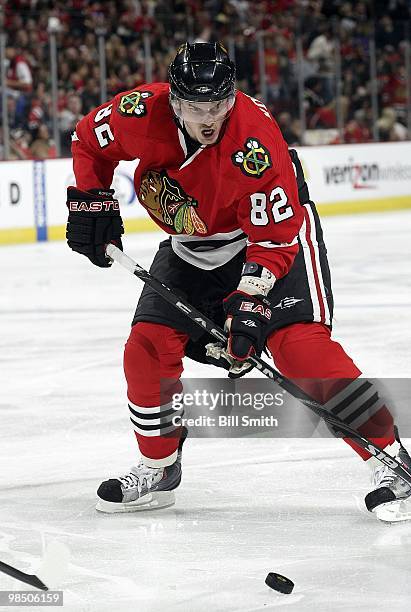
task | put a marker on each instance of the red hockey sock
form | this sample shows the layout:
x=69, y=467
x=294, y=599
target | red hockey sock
x=305, y=351
x=153, y=365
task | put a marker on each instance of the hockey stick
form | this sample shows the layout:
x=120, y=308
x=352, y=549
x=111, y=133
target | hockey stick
x=339, y=427
x=52, y=569
x=30, y=579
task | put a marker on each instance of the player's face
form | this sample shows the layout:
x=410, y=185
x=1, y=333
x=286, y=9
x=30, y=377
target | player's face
x=203, y=120
x=204, y=133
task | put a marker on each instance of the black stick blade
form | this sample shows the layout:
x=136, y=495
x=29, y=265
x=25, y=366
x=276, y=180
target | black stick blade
x=30, y=579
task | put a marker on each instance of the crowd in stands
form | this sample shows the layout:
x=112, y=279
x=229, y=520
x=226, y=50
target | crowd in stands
x=331, y=32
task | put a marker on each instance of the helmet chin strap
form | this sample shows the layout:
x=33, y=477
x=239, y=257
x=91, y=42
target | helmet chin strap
x=180, y=124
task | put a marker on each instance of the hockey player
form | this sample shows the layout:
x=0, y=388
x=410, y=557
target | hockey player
x=245, y=247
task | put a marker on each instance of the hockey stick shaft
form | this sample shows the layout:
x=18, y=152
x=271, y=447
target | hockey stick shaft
x=340, y=428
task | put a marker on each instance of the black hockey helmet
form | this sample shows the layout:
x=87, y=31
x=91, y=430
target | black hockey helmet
x=202, y=72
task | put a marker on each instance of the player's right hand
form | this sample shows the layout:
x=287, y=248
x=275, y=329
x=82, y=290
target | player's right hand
x=247, y=317
x=93, y=222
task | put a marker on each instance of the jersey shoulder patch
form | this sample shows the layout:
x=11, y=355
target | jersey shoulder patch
x=254, y=159
x=259, y=142
x=132, y=104
x=138, y=102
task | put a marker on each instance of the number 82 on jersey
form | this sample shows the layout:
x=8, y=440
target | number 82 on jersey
x=280, y=211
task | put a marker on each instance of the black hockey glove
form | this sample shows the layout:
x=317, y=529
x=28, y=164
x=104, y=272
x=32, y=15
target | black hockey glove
x=247, y=317
x=93, y=222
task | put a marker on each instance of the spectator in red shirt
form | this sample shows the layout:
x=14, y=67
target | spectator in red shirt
x=357, y=130
x=394, y=92
x=19, y=76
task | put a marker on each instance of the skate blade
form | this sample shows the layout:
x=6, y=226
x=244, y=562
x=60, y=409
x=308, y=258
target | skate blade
x=151, y=501
x=393, y=512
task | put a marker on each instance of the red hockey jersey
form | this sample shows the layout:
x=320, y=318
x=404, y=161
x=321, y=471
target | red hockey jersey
x=241, y=190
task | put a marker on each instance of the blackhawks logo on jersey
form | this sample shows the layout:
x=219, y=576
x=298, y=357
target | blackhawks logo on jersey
x=132, y=104
x=167, y=201
x=254, y=161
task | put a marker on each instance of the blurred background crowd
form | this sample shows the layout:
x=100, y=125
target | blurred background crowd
x=331, y=71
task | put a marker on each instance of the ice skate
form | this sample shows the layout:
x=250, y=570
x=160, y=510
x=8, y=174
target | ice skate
x=143, y=488
x=390, y=501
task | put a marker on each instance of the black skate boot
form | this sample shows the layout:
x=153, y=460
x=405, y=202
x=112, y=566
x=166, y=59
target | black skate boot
x=143, y=488
x=391, y=500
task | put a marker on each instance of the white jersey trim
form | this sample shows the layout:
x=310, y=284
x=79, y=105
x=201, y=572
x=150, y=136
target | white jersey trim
x=221, y=236
x=208, y=260
x=194, y=155
x=182, y=141
x=268, y=244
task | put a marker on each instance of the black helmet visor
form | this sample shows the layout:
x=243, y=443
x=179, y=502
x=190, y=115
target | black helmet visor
x=202, y=112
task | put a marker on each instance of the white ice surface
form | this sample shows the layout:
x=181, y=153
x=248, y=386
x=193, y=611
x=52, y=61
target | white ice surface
x=245, y=507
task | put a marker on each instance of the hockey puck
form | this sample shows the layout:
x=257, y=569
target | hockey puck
x=279, y=583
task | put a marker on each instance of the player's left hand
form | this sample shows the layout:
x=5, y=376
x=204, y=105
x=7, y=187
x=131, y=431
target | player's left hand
x=247, y=317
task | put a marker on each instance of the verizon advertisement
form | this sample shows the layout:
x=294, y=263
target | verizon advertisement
x=357, y=172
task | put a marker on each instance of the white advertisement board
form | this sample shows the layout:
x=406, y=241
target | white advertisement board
x=16, y=195
x=59, y=175
x=358, y=173
x=341, y=179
